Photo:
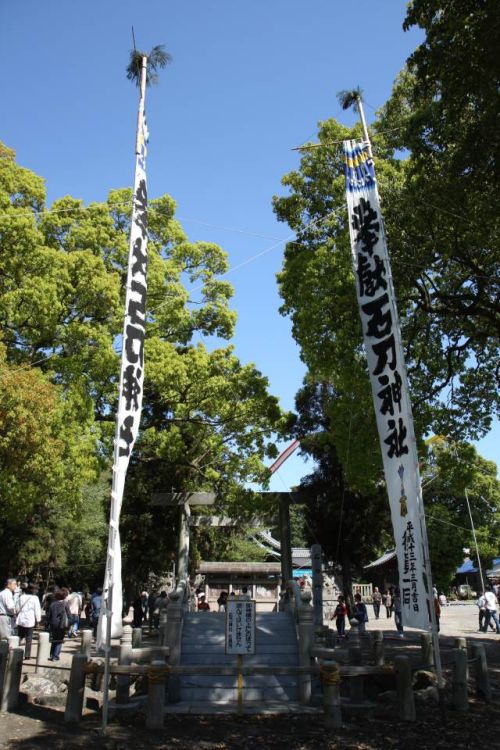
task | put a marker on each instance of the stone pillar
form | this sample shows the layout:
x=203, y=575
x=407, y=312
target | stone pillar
x=460, y=680
x=330, y=681
x=12, y=679
x=162, y=629
x=86, y=642
x=76, y=689
x=317, y=584
x=183, y=551
x=136, y=637
x=427, y=650
x=483, y=687
x=173, y=632
x=285, y=538
x=4, y=653
x=156, y=698
x=127, y=636
x=42, y=654
x=306, y=642
x=404, y=689
x=378, y=648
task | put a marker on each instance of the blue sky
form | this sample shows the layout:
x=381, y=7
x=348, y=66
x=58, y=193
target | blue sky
x=249, y=81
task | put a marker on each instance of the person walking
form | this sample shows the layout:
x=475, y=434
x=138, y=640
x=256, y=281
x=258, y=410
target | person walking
x=58, y=623
x=388, y=604
x=74, y=603
x=7, y=609
x=339, y=614
x=398, y=613
x=360, y=613
x=376, y=601
x=222, y=601
x=491, y=603
x=481, y=603
x=95, y=609
x=29, y=615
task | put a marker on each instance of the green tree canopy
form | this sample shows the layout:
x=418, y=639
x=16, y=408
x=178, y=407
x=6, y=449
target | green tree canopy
x=208, y=420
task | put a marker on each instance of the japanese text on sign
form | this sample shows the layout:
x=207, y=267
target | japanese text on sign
x=240, y=627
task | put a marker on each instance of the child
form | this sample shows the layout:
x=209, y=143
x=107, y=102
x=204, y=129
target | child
x=339, y=615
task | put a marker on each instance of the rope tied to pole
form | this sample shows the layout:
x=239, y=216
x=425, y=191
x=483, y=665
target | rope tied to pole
x=157, y=675
x=329, y=675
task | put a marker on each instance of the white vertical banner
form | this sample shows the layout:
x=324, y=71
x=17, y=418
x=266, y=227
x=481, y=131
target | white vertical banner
x=386, y=365
x=131, y=386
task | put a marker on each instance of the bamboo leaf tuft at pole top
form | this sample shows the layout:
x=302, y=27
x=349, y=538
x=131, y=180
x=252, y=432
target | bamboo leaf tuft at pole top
x=157, y=58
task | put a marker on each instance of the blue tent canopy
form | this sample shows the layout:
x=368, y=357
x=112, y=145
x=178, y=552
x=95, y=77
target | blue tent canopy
x=467, y=567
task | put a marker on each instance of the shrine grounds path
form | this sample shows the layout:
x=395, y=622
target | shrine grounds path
x=42, y=728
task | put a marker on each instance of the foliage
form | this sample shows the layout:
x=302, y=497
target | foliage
x=349, y=524
x=157, y=58
x=440, y=207
x=454, y=472
x=46, y=457
x=208, y=420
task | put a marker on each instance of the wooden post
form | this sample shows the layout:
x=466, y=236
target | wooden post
x=460, y=698
x=76, y=689
x=427, y=650
x=378, y=648
x=123, y=680
x=13, y=641
x=404, y=688
x=460, y=643
x=156, y=698
x=43, y=651
x=483, y=687
x=356, y=684
x=330, y=681
x=12, y=679
x=86, y=642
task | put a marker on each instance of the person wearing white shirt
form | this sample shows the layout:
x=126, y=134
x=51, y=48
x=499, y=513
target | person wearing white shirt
x=490, y=603
x=7, y=609
x=29, y=614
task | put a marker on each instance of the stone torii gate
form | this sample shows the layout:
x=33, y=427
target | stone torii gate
x=184, y=501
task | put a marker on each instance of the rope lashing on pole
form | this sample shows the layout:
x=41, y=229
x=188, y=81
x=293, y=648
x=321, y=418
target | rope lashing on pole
x=329, y=675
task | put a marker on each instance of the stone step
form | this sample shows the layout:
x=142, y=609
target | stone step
x=218, y=659
x=213, y=694
x=250, y=707
x=250, y=681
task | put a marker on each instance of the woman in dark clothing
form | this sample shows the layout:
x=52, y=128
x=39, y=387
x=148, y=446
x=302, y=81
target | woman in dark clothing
x=58, y=623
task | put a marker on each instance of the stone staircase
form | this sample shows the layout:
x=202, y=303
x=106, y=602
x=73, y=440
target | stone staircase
x=203, y=642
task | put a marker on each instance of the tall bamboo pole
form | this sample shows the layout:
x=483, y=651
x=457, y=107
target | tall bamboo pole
x=115, y=507
x=423, y=525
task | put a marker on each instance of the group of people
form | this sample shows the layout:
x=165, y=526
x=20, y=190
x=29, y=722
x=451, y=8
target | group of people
x=392, y=602
x=22, y=610
x=148, y=608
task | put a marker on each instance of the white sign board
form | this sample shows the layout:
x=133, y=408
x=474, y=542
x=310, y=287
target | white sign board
x=240, y=626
